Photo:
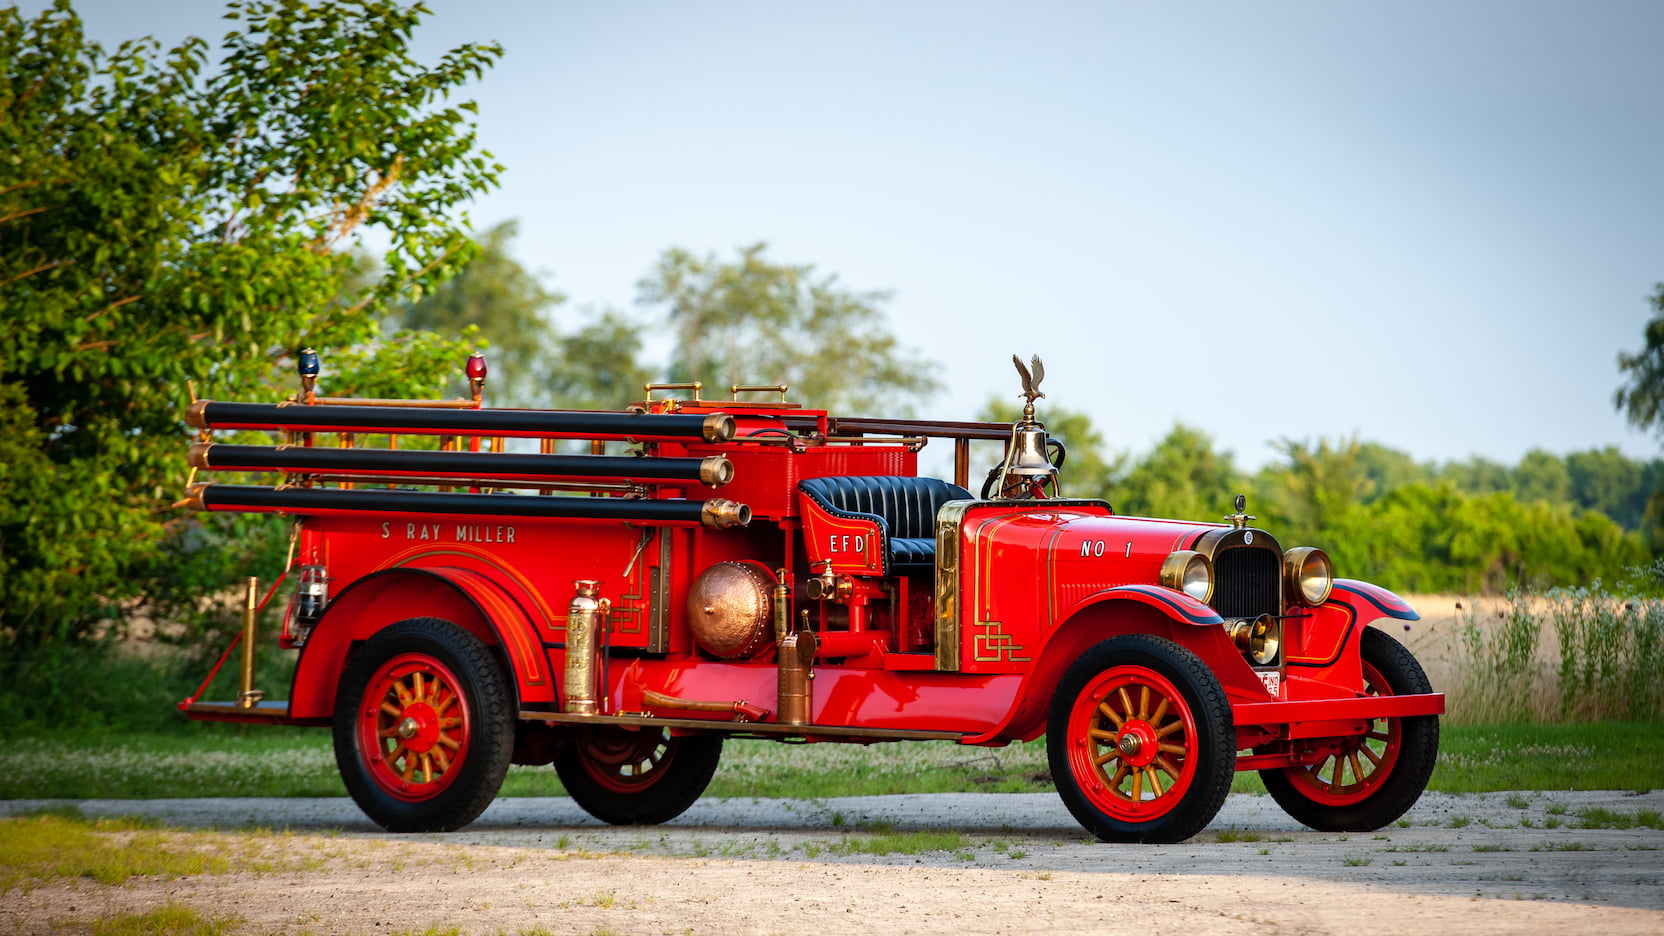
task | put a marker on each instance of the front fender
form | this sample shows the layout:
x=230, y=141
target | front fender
x=1125, y=609
x=464, y=597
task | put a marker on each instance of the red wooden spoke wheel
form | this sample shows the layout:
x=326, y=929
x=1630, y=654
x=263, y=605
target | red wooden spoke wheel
x=626, y=761
x=1361, y=783
x=1353, y=769
x=414, y=724
x=636, y=777
x=1129, y=732
x=1139, y=741
x=424, y=726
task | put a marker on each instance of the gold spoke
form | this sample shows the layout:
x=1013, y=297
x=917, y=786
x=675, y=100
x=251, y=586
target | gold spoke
x=1137, y=785
x=1144, y=702
x=449, y=722
x=427, y=769
x=402, y=692
x=445, y=703
x=1126, y=700
x=1101, y=734
x=388, y=733
x=1169, y=728
x=1100, y=761
x=443, y=759
x=446, y=740
x=389, y=708
x=1155, y=718
x=1109, y=713
x=1171, y=748
x=1115, y=781
x=409, y=767
x=1357, y=769
x=1374, y=758
x=398, y=750
x=421, y=686
x=1155, y=781
x=1167, y=766
x=1379, y=736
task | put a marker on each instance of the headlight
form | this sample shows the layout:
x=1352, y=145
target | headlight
x=1308, y=575
x=1190, y=572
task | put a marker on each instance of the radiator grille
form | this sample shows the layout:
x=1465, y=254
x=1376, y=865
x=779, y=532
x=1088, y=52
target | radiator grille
x=1246, y=582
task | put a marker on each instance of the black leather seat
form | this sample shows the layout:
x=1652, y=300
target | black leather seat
x=905, y=509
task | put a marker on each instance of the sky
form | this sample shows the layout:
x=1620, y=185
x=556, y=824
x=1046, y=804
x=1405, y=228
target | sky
x=1432, y=225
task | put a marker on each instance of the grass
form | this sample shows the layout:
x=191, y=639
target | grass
x=56, y=845
x=299, y=762
x=168, y=920
x=901, y=843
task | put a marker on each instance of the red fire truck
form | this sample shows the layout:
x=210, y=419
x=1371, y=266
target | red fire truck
x=705, y=569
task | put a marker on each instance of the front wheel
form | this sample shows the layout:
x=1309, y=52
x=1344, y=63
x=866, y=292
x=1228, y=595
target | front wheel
x=636, y=777
x=1360, y=784
x=1140, y=741
x=423, y=727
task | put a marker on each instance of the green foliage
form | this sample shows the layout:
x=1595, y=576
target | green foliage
x=508, y=305
x=754, y=321
x=159, y=227
x=1641, y=399
x=1183, y=477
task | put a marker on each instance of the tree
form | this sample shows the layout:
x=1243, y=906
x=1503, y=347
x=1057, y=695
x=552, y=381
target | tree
x=755, y=321
x=1642, y=399
x=510, y=307
x=160, y=229
x=1183, y=477
x=1542, y=476
x=1313, y=495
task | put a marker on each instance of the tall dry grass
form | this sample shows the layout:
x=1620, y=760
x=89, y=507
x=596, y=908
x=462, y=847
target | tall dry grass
x=1564, y=654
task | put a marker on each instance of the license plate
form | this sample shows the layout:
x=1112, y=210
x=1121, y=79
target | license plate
x=1273, y=683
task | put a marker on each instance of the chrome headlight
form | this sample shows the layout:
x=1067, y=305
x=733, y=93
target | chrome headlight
x=1190, y=572
x=1307, y=575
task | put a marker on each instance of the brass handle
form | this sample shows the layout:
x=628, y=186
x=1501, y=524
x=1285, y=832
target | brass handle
x=694, y=386
x=737, y=389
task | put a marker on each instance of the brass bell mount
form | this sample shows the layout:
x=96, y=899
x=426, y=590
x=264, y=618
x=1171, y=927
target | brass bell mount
x=1027, y=467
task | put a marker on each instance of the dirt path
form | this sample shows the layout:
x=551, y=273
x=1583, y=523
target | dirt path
x=1018, y=865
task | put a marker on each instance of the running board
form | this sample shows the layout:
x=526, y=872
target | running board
x=751, y=729
x=275, y=712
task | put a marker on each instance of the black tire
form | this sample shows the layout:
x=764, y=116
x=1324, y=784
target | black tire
x=1179, y=720
x=1390, y=786
x=640, y=777
x=424, y=726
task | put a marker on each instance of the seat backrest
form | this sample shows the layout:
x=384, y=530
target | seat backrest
x=908, y=505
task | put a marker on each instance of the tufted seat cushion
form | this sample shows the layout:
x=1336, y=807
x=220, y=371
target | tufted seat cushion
x=905, y=509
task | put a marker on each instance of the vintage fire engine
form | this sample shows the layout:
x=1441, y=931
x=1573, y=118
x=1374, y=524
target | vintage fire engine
x=759, y=569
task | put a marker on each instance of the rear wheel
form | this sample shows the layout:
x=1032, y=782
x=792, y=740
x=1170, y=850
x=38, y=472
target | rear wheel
x=1140, y=741
x=1361, y=783
x=640, y=777
x=423, y=727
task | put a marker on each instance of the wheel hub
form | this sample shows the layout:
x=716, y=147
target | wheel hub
x=1138, y=744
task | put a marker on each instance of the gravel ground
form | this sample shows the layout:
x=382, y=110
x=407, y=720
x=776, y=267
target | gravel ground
x=1465, y=863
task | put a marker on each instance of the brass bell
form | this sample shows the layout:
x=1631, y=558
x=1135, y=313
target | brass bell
x=1028, y=456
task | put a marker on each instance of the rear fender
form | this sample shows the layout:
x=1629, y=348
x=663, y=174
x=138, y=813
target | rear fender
x=463, y=597
x=1125, y=609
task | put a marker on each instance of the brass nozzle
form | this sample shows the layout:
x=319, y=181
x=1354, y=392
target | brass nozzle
x=197, y=457
x=719, y=427
x=715, y=471
x=720, y=513
x=195, y=495
x=196, y=414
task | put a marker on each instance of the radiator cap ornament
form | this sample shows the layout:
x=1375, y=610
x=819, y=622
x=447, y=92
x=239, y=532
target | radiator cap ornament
x=1240, y=519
